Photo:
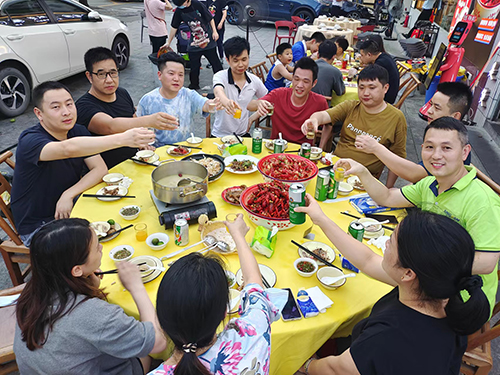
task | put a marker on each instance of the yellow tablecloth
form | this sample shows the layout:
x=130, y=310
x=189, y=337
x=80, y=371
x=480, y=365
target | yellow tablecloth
x=292, y=342
x=308, y=30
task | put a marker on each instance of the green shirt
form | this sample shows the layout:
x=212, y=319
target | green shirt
x=472, y=204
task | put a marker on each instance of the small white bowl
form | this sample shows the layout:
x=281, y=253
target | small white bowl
x=230, y=275
x=145, y=155
x=163, y=237
x=316, y=152
x=118, y=248
x=345, y=188
x=194, y=141
x=130, y=217
x=330, y=272
x=113, y=178
x=310, y=261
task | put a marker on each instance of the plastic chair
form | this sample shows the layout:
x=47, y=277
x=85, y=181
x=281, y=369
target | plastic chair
x=260, y=70
x=298, y=21
x=7, y=327
x=143, y=26
x=291, y=32
x=411, y=85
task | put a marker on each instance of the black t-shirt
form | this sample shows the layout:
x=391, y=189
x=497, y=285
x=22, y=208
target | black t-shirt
x=396, y=339
x=88, y=106
x=38, y=185
x=388, y=63
x=198, y=18
x=215, y=7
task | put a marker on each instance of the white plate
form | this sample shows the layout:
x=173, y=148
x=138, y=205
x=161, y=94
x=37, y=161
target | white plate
x=117, y=227
x=351, y=181
x=170, y=149
x=266, y=271
x=230, y=139
x=312, y=245
x=269, y=144
x=152, y=159
x=316, y=158
x=229, y=159
x=151, y=261
x=121, y=191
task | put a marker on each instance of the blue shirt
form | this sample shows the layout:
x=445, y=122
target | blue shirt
x=184, y=106
x=299, y=51
x=273, y=83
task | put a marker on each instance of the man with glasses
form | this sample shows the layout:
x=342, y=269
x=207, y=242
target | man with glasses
x=108, y=109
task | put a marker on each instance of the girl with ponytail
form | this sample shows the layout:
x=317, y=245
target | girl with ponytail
x=419, y=327
x=192, y=302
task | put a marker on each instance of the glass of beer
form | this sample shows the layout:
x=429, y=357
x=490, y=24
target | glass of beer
x=212, y=107
x=310, y=132
x=270, y=109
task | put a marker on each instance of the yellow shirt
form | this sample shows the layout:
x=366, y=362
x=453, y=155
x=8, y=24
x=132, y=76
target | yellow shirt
x=387, y=127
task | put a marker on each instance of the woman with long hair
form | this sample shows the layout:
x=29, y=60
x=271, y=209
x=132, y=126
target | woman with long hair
x=419, y=327
x=65, y=325
x=193, y=300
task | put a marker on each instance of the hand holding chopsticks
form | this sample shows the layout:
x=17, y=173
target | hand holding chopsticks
x=106, y=196
x=115, y=270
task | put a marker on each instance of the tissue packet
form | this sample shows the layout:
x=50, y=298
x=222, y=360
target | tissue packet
x=306, y=304
x=264, y=241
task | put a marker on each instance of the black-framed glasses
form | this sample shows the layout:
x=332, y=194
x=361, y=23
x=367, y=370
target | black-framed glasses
x=104, y=75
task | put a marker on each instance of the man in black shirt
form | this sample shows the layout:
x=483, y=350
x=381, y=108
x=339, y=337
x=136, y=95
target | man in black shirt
x=218, y=10
x=371, y=53
x=108, y=109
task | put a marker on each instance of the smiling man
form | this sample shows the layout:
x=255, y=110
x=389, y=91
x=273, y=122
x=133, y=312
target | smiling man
x=452, y=190
x=292, y=105
x=370, y=115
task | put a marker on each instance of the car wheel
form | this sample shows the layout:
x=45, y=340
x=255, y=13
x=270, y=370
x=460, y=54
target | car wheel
x=355, y=15
x=235, y=14
x=306, y=15
x=122, y=52
x=14, y=92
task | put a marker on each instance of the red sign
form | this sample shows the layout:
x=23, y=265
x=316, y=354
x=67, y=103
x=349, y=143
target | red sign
x=484, y=37
x=487, y=24
x=469, y=17
x=461, y=10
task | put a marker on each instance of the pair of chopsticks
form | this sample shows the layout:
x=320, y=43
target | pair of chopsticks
x=357, y=217
x=265, y=282
x=118, y=231
x=107, y=196
x=115, y=270
x=237, y=137
x=173, y=144
x=290, y=151
x=314, y=255
x=143, y=162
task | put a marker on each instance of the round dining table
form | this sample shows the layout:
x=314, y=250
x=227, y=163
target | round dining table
x=293, y=342
x=345, y=23
x=328, y=31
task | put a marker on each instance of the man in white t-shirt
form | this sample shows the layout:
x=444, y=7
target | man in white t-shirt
x=235, y=88
x=157, y=26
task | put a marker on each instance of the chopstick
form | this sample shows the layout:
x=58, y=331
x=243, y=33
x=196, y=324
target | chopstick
x=107, y=196
x=115, y=270
x=315, y=256
x=173, y=144
x=143, y=162
x=118, y=231
x=357, y=217
x=265, y=282
x=289, y=151
x=237, y=137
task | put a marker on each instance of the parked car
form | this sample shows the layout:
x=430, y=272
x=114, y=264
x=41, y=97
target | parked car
x=273, y=10
x=356, y=10
x=43, y=40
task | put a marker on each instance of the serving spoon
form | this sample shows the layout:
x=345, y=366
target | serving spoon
x=208, y=240
x=186, y=181
x=332, y=280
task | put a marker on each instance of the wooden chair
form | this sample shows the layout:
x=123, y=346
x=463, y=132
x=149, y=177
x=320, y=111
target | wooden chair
x=13, y=250
x=272, y=58
x=291, y=32
x=410, y=85
x=260, y=70
x=207, y=126
x=7, y=327
x=402, y=69
x=488, y=181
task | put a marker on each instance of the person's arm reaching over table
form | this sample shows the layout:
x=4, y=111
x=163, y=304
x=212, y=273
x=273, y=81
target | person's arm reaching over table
x=229, y=105
x=404, y=168
x=103, y=124
x=260, y=106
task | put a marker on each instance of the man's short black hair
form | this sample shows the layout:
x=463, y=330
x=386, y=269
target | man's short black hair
x=370, y=46
x=170, y=56
x=318, y=37
x=98, y=54
x=327, y=49
x=374, y=72
x=342, y=43
x=282, y=48
x=40, y=90
x=450, y=123
x=235, y=46
x=460, y=96
x=377, y=39
x=308, y=64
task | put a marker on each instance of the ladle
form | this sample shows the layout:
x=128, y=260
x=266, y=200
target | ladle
x=208, y=240
x=186, y=181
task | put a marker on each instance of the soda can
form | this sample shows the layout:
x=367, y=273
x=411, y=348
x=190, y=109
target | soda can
x=357, y=230
x=279, y=146
x=257, y=141
x=181, y=232
x=333, y=186
x=305, y=150
x=322, y=183
x=297, y=197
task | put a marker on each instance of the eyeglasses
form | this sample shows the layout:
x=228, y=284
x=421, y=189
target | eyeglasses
x=104, y=75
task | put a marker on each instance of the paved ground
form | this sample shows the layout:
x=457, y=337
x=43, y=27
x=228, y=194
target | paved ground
x=140, y=77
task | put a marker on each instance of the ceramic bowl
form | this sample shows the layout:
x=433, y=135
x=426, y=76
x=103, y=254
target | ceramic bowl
x=163, y=237
x=130, y=217
x=113, y=178
x=114, y=250
x=310, y=261
x=330, y=272
x=345, y=188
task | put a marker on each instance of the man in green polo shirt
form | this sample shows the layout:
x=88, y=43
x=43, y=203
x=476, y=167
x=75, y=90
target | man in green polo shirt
x=452, y=190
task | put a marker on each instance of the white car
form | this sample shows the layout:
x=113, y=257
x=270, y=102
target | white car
x=43, y=40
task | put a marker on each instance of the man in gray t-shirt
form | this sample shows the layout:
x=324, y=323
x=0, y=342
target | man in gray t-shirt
x=329, y=77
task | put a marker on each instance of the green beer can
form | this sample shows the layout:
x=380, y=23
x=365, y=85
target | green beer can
x=357, y=230
x=333, y=186
x=297, y=198
x=322, y=183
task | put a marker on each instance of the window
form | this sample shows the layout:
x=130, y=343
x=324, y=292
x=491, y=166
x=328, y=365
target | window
x=23, y=13
x=66, y=12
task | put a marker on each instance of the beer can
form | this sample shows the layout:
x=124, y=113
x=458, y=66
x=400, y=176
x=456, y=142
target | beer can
x=279, y=146
x=297, y=198
x=333, y=186
x=322, y=185
x=305, y=150
x=181, y=232
x=257, y=141
x=357, y=230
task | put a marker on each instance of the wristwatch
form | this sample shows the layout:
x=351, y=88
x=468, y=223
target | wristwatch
x=306, y=365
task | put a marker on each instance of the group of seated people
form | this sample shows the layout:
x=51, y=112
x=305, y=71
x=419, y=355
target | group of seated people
x=441, y=259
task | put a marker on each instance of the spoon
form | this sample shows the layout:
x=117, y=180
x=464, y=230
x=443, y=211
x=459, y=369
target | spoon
x=332, y=280
x=114, y=179
x=369, y=224
x=223, y=247
x=208, y=240
x=280, y=136
x=146, y=267
x=186, y=181
x=192, y=137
